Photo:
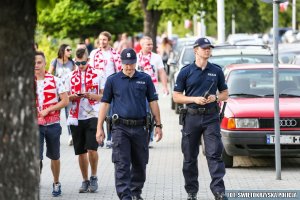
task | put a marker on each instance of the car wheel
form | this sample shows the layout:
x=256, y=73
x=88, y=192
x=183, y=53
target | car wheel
x=227, y=159
x=202, y=145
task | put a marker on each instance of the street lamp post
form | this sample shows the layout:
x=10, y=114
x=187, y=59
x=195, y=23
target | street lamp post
x=276, y=94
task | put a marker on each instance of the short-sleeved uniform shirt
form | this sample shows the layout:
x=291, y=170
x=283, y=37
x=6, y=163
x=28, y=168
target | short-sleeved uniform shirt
x=195, y=82
x=128, y=94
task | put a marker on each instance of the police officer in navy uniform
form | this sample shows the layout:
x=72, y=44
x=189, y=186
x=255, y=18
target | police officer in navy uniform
x=200, y=82
x=128, y=89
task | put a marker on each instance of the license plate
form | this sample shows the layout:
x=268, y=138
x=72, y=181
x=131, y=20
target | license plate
x=284, y=139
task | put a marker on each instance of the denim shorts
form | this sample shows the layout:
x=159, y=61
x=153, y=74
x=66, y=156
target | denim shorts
x=50, y=134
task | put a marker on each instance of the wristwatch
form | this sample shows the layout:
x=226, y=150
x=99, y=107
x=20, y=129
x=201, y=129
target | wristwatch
x=158, y=125
x=217, y=98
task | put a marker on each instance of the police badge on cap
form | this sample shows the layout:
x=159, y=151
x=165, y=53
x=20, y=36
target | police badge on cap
x=128, y=56
x=203, y=43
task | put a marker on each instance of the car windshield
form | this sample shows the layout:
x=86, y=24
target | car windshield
x=224, y=60
x=259, y=82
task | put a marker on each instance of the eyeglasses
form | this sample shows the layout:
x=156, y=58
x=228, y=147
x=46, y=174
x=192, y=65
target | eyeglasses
x=68, y=50
x=80, y=63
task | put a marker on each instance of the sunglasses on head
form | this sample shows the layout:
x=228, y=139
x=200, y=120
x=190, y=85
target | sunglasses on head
x=68, y=49
x=80, y=63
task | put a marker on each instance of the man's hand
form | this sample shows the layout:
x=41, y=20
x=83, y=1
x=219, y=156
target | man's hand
x=211, y=98
x=166, y=91
x=100, y=135
x=73, y=97
x=44, y=112
x=158, y=134
x=200, y=100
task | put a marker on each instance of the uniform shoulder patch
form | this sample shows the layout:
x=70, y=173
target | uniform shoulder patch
x=216, y=65
x=112, y=74
x=184, y=67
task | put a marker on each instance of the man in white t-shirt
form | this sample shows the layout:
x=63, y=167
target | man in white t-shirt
x=85, y=95
x=49, y=90
x=107, y=61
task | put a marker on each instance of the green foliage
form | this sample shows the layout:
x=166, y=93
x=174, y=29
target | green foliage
x=83, y=18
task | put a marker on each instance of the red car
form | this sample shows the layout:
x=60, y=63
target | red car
x=248, y=125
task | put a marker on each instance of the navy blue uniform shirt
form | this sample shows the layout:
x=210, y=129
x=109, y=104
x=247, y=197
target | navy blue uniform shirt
x=195, y=82
x=129, y=94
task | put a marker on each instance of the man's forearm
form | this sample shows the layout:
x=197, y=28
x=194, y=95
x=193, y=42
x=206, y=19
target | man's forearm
x=155, y=111
x=102, y=114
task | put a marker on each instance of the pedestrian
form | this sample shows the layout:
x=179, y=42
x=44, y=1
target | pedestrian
x=165, y=50
x=200, y=82
x=128, y=90
x=107, y=61
x=151, y=63
x=61, y=67
x=49, y=90
x=85, y=86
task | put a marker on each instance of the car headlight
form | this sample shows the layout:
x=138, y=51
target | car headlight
x=246, y=123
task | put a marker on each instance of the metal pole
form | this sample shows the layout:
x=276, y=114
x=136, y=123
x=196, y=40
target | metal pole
x=233, y=23
x=169, y=29
x=294, y=15
x=276, y=94
x=221, y=21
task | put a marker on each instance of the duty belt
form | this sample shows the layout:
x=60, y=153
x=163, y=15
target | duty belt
x=202, y=111
x=129, y=122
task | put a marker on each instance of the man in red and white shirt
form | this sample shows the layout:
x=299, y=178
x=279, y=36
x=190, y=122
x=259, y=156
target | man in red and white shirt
x=49, y=90
x=85, y=87
x=152, y=64
x=107, y=61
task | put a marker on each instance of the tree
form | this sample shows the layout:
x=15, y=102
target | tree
x=19, y=143
x=84, y=18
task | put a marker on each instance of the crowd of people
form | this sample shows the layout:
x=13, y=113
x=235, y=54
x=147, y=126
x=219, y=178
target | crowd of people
x=119, y=84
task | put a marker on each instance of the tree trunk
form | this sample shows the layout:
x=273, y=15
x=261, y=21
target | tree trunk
x=19, y=143
x=151, y=21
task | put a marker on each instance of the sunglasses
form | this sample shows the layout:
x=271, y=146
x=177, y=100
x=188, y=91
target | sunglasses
x=80, y=63
x=68, y=50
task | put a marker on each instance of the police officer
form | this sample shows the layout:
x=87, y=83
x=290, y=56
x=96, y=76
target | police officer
x=128, y=90
x=200, y=81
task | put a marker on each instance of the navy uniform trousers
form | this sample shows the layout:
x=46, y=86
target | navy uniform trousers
x=194, y=127
x=130, y=155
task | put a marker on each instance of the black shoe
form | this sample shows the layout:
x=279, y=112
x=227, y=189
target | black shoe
x=220, y=196
x=137, y=197
x=192, y=196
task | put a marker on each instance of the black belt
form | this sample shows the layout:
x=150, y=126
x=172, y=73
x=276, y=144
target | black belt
x=131, y=122
x=202, y=111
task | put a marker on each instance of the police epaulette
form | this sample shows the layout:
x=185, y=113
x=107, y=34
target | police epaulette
x=112, y=74
x=184, y=66
x=216, y=65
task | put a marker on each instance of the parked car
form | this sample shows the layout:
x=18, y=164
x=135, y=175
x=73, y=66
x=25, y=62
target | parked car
x=287, y=52
x=296, y=60
x=248, y=125
x=222, y=55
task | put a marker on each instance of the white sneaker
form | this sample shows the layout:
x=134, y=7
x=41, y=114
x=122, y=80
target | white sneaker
x=108, y=144
x=70, y=141
x=150, y=144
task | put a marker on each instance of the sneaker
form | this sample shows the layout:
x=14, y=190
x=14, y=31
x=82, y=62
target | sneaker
x=108, y=144
x=137, y=197
x=192, y=196
x=84, y=187
x=150, y=144
x=70, y=142
x=93, y=184
x=56, y=189
x=220, y=196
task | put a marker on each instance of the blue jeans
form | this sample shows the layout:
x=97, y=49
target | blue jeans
x=50, y=134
